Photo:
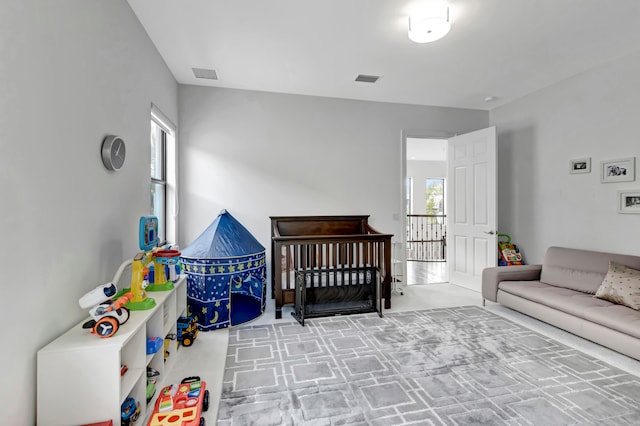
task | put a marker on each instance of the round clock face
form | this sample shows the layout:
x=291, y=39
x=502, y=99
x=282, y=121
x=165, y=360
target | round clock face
x=113, y=152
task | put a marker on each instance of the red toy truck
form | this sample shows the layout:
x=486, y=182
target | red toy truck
x=181, y=405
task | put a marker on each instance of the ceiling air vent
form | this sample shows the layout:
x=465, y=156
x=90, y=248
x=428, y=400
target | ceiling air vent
x=205, y=73
x=367, y=78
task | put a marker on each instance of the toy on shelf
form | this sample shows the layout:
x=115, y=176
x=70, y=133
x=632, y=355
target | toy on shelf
x=167, y=343
x=107, y=314
x=151, y=389
x=181, y=404
x=150, y=262
x=164, y=259
x=148, y=238
x=154, y=344
x=187, y=330
x=152, y=379
x=139, y=300
x=129, y=411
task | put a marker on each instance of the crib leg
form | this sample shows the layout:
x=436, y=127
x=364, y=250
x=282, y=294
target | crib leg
x=387, y=295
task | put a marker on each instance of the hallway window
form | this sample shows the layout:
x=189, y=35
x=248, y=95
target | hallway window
x=435, y=196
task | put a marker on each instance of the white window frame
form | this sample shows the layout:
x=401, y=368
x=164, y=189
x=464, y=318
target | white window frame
x=171, y=174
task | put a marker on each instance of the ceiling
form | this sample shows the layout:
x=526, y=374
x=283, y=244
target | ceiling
x=503, y=49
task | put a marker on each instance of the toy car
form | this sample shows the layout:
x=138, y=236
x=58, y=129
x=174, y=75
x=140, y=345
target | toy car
x=181, y=404
x=187, y=330
x=129, y=411
x=154, y=344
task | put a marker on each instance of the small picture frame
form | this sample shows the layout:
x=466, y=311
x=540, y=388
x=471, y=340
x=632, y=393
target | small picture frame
x=580, y=165
x=622, y=170
x=629, y=201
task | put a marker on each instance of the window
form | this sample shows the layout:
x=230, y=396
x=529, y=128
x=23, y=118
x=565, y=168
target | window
x=158, y=178
x=435, y=197
x=163, y=182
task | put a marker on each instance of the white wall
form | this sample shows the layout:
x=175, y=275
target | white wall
x=260, y=154
x=595, y=115
x=71, y=72
x=419, y=171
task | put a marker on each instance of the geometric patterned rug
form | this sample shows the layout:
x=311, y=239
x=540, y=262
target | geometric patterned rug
x=448, y=366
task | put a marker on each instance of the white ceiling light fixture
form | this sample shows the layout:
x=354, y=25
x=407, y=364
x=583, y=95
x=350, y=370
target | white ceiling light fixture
x=430, y=23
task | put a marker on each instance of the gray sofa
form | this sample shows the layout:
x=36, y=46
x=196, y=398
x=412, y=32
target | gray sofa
x=561, y=292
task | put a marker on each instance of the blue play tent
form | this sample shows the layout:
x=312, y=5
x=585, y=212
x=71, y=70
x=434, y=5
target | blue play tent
x=226, y=275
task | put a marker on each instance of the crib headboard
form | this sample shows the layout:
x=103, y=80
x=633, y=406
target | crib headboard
x=287, y=226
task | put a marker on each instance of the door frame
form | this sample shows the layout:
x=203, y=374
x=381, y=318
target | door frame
x=420, y=134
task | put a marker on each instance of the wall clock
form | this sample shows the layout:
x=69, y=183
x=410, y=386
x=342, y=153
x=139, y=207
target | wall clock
x=113, y=152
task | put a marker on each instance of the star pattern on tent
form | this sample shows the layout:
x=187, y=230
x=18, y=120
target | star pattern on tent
x=211, y=283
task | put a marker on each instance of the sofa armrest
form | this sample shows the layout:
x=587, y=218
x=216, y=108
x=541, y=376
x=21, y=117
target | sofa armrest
x=491, y=277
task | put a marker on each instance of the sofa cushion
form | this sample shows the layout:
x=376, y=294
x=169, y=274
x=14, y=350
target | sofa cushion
x=570, y=301
x=621, y=285
x=580, y=270
x=616, y=317
x=579, y=304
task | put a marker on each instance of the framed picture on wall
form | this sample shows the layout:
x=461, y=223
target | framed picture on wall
x=629, y=201
x=580, y=165
x=623, y=170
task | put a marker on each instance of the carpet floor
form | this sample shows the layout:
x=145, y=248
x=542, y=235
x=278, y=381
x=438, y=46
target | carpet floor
x=445, y=366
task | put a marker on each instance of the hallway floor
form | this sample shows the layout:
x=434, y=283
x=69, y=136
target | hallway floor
x=427, y=272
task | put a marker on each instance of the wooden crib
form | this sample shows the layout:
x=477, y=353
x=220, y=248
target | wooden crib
x=338, y=244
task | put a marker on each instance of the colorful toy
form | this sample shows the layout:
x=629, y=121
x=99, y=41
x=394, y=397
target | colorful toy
x=148, y=233
x=153, y=345
x=148, y=238
x=129, y=411
x=151, y=389
x=107, y=314
x=152, y=379
x=187, y=330
x=181, y=404
x=167, y=342
x=508, y=253
x=164, y=259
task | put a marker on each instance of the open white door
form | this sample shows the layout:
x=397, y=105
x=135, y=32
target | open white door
x=472, y=193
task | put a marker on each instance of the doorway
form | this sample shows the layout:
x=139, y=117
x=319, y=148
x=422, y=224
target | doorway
x=426, y=220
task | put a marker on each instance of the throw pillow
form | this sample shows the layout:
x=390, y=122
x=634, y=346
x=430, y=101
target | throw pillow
x=621, y=285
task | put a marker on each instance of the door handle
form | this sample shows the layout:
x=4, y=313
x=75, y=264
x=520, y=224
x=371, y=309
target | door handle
x=489, y=232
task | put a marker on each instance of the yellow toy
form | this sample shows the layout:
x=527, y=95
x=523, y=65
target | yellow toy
x=151, y=254
x=139, y=300
x=148, y=240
